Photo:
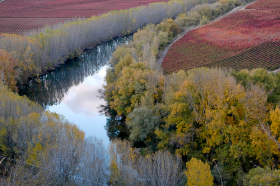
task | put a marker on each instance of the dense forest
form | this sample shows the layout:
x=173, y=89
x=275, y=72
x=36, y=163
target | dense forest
x=204, y=126
x=224, y=121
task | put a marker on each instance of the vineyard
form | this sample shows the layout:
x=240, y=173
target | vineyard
x=266, y=55
x=264, y=4
x=21, y=26
x=248, y=39
x=20, y=16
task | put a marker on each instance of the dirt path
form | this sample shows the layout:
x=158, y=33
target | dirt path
x=274, y=71
x=163, y=53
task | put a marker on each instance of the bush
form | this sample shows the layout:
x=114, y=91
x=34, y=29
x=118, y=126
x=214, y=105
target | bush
x=204, y=20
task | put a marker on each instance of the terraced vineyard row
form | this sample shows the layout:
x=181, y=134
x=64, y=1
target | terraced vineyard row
x=265, y=4
x=238, y=34
x=245, y=28
x=65, y=8
x=266, y=55
x=194, y=51
x=21, y=25
x=17, y=17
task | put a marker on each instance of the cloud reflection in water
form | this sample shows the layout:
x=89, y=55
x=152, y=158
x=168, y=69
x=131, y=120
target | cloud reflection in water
x=84, y=98
x=72, y=90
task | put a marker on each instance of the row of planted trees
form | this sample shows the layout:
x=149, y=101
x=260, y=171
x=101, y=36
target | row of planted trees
x=225, y=118
x=36, y=53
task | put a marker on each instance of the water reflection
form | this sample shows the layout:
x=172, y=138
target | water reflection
x=83, y=98
x=51, y=88
x=72, y=90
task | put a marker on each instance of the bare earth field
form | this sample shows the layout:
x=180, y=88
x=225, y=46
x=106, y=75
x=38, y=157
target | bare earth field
x=20, y=16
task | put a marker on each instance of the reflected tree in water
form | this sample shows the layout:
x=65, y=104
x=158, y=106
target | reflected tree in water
x=50, y=89
x=115, y=124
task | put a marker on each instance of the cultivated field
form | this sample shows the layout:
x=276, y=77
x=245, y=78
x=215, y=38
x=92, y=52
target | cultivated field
x=249, y=38
x=21, y=26
x=21, y=16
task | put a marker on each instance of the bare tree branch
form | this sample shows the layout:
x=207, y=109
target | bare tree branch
x=219, y=172
x=268, y=133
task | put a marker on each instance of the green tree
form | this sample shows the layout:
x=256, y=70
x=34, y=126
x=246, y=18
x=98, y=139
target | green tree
x=262, y=77
x=204, y=20
x=143, y=122
x=262, y=176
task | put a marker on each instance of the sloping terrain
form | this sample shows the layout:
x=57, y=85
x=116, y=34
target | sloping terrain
x=232, y=41
x=266, y=55
x=22, y=25
x=21, y=16
x=65, y=8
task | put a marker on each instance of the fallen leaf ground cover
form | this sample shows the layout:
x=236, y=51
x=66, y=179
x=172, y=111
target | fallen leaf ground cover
x=16, y=16
x=231, y=42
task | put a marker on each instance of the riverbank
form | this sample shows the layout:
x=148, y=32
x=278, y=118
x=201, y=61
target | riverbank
x=82, y=52
x=51, y=48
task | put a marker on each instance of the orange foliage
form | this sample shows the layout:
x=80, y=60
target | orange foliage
x=8, y=71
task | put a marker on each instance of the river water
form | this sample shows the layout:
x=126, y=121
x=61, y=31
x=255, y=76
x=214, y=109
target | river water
x=72, y=90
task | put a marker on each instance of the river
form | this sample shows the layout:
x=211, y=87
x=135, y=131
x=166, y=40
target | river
x=72, y=90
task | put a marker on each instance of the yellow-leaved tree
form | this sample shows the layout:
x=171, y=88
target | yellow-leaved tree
x=275, y=129
x=8, y=72
x=275, y=119
x=198, y=173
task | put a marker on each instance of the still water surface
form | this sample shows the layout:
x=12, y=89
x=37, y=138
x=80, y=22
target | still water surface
x=72, y=90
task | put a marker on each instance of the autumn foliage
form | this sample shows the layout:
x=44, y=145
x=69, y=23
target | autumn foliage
x=19, y=17
x=65, y=8
x=44, y=50
x=225, y=118
x=245, y=39
x=223, y=123
x=23, y=26
x=198, y=173
x=41, y=147
x=8, y=72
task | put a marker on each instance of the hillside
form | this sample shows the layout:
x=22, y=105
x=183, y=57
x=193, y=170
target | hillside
x=229, y=42
x=21, y=16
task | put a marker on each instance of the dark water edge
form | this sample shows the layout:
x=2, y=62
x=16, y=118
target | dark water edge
x=50, y=88
x=72, y=90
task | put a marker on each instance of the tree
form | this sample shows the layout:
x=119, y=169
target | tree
x=128, y=168
x=161, y=168
x=263, y=77
x=143, y=122
x=198, y=173
x=275, y=118
x=8, y=72
x=262, y=176
x=204, y=20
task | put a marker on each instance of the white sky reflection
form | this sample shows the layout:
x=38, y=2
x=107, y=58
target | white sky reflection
x=84, y=97
x=80, y=106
